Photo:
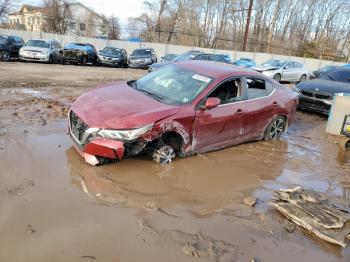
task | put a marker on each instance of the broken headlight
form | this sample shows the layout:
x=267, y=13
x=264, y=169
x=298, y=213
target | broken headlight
x=124, y=135
x=346, y=126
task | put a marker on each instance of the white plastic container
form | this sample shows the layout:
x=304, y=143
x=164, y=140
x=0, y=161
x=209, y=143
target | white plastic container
x=340, y=108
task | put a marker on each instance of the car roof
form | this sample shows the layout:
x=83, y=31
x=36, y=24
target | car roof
x=46, y=40
x=215, y=69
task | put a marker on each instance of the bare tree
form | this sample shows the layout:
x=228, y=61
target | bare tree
x=114, y=28
x=58, y=16
x=4, y=8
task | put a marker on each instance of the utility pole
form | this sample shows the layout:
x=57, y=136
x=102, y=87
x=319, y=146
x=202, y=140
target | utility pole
x=247, y=25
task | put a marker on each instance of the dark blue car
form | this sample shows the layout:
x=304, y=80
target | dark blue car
x=79, y=53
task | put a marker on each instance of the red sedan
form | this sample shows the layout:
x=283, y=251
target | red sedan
x=182, y=109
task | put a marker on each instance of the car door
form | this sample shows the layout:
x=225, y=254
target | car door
x=18, y=43
x=220, y=126
x=288, y=72
x=258, y=107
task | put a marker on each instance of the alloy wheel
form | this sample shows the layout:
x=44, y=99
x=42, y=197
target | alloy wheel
x=5, y=56
x=276, y=129
x=302, y=78
x=164, y=155
x=277, y=77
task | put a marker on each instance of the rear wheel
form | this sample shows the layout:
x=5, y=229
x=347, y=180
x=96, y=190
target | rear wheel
x=302, y=78
x=275, y=129
x=163, y=155
x=347, y=146
x=277, y=77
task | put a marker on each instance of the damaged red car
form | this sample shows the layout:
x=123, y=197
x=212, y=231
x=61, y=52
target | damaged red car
x=182, y=109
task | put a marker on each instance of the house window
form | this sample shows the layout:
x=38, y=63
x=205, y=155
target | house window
x=82, y=27
x=72, y=25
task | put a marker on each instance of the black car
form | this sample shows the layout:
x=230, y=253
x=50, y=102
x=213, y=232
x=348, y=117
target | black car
x=79, y=53
x=142, y=58
x=189, y=56
x=112, y=56
x=321, y=71
x=317, y=94
x=9, y=47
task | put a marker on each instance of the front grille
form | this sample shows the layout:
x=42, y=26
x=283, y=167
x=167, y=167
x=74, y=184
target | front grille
x=318, y=95
x=307, y=93
x=70, y=54
x=77, y=127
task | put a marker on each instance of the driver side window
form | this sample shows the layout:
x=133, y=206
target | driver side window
x=289, y=66
x=229, y=91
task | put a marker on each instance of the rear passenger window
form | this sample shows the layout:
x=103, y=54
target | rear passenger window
x=217, y=58
x=203, y=57
x=257, y=88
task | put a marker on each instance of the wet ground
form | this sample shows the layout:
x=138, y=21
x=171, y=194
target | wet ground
x=55, y=207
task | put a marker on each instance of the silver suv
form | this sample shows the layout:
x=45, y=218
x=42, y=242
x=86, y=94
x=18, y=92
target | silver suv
x=282, y=70
x=41, y=50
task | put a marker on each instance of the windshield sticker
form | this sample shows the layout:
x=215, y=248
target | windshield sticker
x=201, y=78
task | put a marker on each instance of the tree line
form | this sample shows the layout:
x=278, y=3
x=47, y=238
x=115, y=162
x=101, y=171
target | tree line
x=310, y=28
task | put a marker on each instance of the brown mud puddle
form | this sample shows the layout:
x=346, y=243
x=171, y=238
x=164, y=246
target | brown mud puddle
x=56, y=207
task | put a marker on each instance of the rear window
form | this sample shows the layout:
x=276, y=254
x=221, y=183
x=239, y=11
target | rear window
x=337, y=74
x=111, y=50
x=3, y=39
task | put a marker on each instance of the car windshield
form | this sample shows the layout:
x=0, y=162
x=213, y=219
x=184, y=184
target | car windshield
x=38, y=43
x=275, y=63
x=3, y=39
x=337, y=74
x=173, y=84
x=111, y=50
x=184, y=57
x=140, y=52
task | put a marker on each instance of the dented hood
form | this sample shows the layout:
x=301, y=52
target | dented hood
x=119, y=106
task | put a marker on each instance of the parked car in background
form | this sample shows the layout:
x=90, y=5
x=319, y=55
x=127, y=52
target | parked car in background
x=282, y=70
x=185, y=108
x=317, y=94
x=211, y=57
x=168, y=57
x=245, y=62
x=189, y=56
x=347, y=65
x=227, y=58
x=142, y=58
x=9, y=47
x=41, y=50
x=79, y=53
x=321, y=71
x=112, y=56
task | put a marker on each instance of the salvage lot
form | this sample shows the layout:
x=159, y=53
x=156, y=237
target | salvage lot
x=56, y=207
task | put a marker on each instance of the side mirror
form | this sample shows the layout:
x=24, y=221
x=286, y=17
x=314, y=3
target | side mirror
x=100, y=50
x=212, y=102
x=285, y=67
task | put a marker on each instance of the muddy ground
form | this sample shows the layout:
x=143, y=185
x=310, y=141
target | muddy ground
x=54, y=207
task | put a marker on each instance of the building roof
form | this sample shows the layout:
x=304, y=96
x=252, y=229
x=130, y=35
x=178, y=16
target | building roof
x=29, y=8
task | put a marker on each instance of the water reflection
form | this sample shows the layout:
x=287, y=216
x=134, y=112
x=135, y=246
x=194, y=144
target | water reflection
x=204, y=184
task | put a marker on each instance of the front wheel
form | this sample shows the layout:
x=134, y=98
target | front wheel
x=347, y=146
x=275, y=129
x=83, y=61
x=163, y=155
x=5, y=56
x=277, y=78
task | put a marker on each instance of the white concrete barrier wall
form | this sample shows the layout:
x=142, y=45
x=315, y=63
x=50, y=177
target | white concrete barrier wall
x=162, y=49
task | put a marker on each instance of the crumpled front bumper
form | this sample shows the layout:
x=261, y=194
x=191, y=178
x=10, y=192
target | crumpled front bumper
x=100, y=147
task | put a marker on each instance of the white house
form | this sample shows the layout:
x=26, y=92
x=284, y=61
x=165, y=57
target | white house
x=83, y=22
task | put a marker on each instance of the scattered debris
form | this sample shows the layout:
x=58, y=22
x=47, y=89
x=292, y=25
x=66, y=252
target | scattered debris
x=314, y=212
x=250, y=201
x=29, y=230
x=255, y=259
x=89, y=257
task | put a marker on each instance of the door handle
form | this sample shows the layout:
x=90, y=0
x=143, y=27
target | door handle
x=275, y=103
x=239, y=111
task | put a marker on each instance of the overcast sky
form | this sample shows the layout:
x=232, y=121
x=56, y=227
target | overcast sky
x=123, y=9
